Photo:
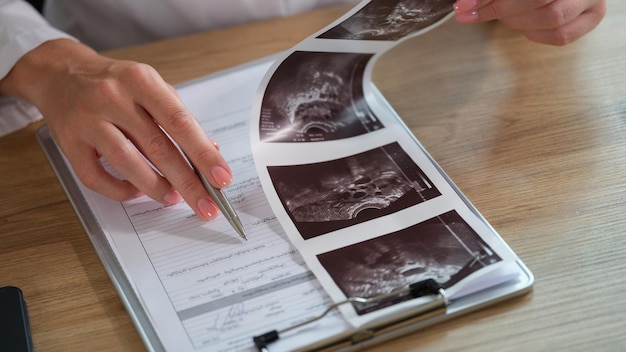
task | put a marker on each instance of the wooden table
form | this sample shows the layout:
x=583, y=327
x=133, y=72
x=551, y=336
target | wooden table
x=534, y=135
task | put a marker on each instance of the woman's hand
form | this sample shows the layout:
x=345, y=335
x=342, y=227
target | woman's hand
x=99, y=107
x=555, y=22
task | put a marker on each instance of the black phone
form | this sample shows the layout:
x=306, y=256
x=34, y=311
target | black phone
x=14, y=325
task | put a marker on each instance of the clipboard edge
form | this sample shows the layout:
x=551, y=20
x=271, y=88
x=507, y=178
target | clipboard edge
x=96, y=236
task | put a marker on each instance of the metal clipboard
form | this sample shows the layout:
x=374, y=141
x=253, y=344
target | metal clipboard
x=437, y=311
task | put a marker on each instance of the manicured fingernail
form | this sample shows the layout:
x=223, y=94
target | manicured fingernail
x=463, y=6
x=467, y=17
x=221, y=176
x=207, y=208
x=172, y=197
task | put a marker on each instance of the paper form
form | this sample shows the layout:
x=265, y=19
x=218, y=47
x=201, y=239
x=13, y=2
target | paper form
x=203, y=287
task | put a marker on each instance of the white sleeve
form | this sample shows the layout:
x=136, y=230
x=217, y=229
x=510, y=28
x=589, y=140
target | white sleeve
x=22, y=29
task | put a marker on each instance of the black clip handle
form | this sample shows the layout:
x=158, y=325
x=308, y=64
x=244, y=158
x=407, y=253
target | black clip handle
x=261, y=341
x=424, y=288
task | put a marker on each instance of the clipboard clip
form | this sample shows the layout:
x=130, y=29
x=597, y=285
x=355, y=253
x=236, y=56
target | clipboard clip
x=428, y=287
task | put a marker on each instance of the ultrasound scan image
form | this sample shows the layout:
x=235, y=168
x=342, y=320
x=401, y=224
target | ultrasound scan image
x=444, y=248
x=390, y=19
x=331, y=195
x=317, y=96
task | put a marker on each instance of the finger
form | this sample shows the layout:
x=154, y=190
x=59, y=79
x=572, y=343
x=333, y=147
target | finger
x=166, y=110
x=215, y=144
x=124, y=157
x=571, y=31
x=554, y=15
x=89, y=170
x=169, y=112
x=472, y=11
x=85, y=161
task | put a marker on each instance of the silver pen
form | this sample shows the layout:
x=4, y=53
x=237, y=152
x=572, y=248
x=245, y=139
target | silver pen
x=222, y=202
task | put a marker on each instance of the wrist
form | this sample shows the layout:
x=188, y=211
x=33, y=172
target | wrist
x=36, y=72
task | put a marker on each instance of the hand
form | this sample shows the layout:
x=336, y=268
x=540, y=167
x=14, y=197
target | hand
x=99, y=107
x=555, y=22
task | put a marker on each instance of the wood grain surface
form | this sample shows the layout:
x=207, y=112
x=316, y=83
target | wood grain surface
x=534, y=135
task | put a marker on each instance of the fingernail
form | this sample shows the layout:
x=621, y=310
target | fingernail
x=207, y=208
x=172, y=197
x=467, y=16
x=463, y=6
x=221, y=176
x=216, y=145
